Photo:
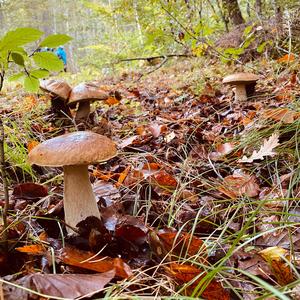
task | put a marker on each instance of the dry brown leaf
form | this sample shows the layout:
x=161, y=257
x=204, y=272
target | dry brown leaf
x=69, y=286
x=283, y=115
x=265, y=150
x=33, y=249
x=239, y=185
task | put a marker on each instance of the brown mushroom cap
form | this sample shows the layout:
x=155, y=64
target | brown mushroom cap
x=76, y=148
x=86, y=92
x=56, y=87
x=241, y=78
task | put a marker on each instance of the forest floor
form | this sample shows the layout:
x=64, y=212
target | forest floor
x=201, y=201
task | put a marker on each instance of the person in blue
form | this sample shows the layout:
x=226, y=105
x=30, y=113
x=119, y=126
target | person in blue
x=61, y=54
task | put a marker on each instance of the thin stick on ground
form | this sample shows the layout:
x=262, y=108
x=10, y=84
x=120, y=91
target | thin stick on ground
x=5, y=184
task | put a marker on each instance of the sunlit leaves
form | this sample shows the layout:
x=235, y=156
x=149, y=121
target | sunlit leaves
x=48, y=60
x=55, y=40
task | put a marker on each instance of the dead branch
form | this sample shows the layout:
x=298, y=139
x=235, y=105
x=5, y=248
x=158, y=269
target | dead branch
x=154, y=57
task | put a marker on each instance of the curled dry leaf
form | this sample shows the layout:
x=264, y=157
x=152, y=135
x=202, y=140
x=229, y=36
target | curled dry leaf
x=237, y=185
x=90, y=261
x=184, y=273
x=69, y=286
x=267, y=149
x=221, y=151
x=280, y=263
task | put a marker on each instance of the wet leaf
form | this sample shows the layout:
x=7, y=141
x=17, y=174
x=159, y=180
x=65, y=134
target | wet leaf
x=69, y=286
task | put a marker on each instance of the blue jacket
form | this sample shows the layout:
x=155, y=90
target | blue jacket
x=61, y=53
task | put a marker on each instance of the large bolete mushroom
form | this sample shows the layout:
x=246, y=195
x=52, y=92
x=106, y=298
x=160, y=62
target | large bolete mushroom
x=242, y=82
x=84, y=94
x=59, y=92
x=74, y=152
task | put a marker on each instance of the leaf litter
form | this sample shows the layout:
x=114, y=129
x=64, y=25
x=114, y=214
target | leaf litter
x=193, y=169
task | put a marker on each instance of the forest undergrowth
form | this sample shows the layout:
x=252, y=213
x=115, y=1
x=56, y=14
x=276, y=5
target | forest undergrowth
x=201, y=200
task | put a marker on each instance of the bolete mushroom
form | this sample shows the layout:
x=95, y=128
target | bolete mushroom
x=242, y=82
x=59, y=92
x=74, y=152
x=84, y=94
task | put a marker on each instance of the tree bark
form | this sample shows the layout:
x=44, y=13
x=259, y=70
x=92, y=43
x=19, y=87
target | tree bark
x=233, y=12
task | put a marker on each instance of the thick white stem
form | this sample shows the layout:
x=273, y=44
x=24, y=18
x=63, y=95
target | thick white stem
x=79, y=199
x=83, y=111
x=240, y=93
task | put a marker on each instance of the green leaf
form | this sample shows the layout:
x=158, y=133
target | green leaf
x=19, y=37
x=247, y=30
x=39, y=73
x=18, y=58
x=48, y=61
x=16, y=77
x=55, y=40
x=31, y=84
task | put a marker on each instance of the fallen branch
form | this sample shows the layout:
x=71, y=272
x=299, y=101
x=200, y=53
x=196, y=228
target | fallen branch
x=154, y=57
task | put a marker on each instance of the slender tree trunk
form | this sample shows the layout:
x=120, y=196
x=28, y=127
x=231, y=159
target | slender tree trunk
x=233, y=11
x=258, y=7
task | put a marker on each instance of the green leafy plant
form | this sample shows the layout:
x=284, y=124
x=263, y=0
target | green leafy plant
x=33, y=64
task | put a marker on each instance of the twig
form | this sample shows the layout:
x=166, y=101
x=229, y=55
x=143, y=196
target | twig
x=5, y=185
x=153, y=70
x=154, y=57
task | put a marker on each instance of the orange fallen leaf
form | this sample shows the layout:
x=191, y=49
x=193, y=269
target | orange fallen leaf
x=182, y=244
x=164, y=180
x=37, y=249
x=112, y=101
x=286, y=58
x=284, y=115
x=278, y=259
x=31, y=145
x=184, y=273
x=90, y=261
x=122, y=176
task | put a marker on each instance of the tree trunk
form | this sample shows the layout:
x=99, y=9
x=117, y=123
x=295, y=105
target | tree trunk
x=258, y=7
x=233, y=12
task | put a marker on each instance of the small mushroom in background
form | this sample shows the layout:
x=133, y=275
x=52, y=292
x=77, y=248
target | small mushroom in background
x=84, y=94
x=59, y=92
x=74, y=152
x=244, y=84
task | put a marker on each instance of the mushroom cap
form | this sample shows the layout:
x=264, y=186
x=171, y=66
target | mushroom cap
x=241, y=78
x=56, y=87
x=86, y=92
x=76, y=148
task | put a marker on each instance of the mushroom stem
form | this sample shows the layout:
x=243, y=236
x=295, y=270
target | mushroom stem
x=79, y=199
x=240, y=92
x=83, y=111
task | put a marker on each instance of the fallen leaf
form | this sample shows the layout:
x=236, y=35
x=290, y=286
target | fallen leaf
x=30, y=190
x=163, y=179
x=112, y=101
x=183, y=244
x=37, y=249
x=290, y=57
x=237, y=185
x=69, y=286
x=184, y=273
x=122, y=176
x=279, y=261
x=284, y=115
x=31, y=145
x=265, y=150
x=90, y=261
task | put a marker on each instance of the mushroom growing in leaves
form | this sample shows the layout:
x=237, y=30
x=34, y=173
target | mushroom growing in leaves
x=242, y=82
x=59, y=92
x=74, y=152
x=84, y=94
